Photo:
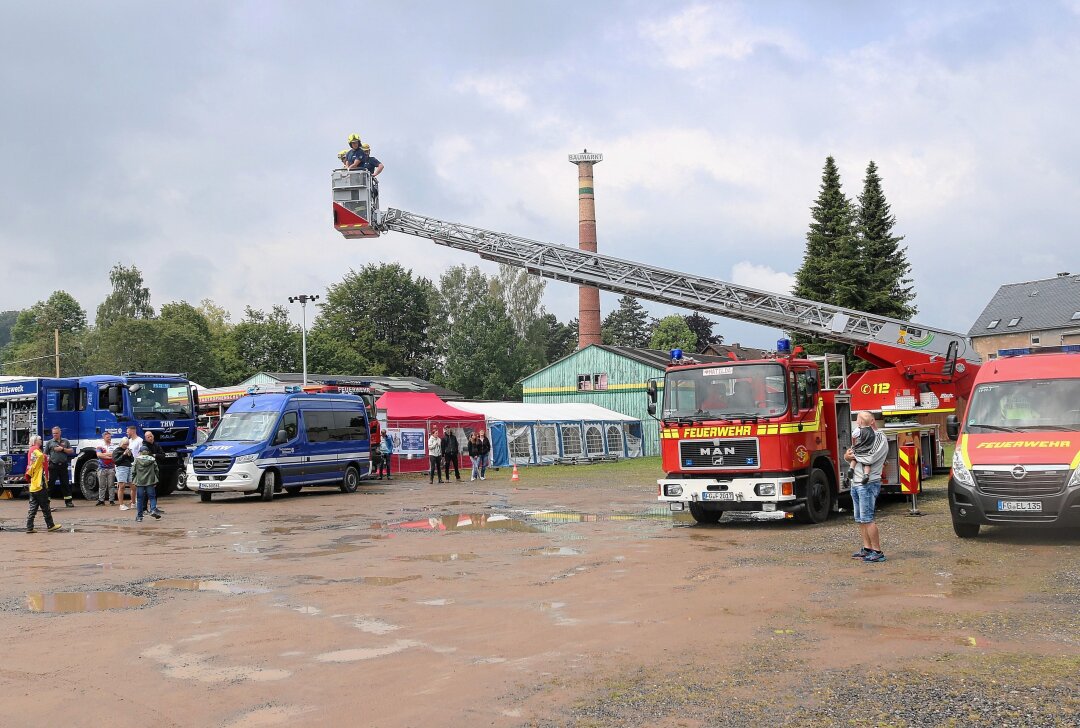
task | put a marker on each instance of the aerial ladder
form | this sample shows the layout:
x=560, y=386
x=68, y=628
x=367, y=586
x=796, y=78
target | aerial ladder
x=919, y=369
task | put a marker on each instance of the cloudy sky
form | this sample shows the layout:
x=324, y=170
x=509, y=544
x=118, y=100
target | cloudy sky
x=195, y=139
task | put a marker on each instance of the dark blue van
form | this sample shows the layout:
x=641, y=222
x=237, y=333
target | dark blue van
x=266, y=443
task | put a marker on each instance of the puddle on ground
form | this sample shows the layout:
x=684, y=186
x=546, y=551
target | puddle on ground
x=465, y=522
x=209, y=585
x=552, y=551
x=73, y=602
x=438, y=557
x=367, y=653
x=659, y=514
x=387, y=580
x=328, y=550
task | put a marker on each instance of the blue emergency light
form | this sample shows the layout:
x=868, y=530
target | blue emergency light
x=783, y=346
x=676, y=355
x=1066, y=349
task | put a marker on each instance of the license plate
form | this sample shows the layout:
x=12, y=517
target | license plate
x=718, y=495
x=1004, y=505
x=207, y=486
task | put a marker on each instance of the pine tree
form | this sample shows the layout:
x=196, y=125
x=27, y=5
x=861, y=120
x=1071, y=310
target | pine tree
x=831, y=267
x=702, y=326
x=628, y=325
x=888, y=286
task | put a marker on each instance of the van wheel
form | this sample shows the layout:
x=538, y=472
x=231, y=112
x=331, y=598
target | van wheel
x=965, y=530
x=351, y=481
x=818, y=498
x=269, y=480
x=205, y=497
x=87, y=479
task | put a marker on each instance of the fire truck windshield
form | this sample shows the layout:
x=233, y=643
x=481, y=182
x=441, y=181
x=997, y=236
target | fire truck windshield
x=732, y=391
x=1036, y=404
x=162, y=401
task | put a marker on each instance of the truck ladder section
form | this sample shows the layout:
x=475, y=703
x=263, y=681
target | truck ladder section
x=706, y=295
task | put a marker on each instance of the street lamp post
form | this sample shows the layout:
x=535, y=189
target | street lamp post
x=303, y=298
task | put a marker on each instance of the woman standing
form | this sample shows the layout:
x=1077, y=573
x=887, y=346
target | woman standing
x=434, y=448
x=483, y=446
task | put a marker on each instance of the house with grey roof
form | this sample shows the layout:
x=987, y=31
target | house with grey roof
x=1035, y=313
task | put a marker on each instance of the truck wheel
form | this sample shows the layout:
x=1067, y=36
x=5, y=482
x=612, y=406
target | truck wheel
x=269, y=480
x=87, y=479
x=965, y=530
x=351, y=481
x=168, y=482
x=818, y=498
x=702, y=515
x=205, y=497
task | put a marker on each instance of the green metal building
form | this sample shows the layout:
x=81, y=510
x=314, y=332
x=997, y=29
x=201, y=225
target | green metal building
x=610, y=376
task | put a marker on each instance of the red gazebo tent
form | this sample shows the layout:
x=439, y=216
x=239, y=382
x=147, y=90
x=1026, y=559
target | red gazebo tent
x=409, y=419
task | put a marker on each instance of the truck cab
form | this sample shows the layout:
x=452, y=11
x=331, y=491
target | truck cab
x=759, y=438
x=272, y=441
x=1017, y=456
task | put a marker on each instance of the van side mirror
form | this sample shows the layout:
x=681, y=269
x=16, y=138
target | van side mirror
x=116, y=397
x=952, y=427
x=282, y=437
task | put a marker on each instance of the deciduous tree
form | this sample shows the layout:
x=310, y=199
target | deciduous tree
x=130, y=298
x=671, y=332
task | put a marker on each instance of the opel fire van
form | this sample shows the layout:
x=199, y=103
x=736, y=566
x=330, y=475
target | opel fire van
x=266, y=443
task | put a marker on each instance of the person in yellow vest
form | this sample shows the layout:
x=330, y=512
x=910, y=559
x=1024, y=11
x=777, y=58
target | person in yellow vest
x=39, y=497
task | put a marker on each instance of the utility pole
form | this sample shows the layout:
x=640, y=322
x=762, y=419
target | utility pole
x=303, y=299
x=56, y=349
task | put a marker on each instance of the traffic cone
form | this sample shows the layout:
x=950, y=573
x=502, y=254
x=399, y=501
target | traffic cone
x=515, y=477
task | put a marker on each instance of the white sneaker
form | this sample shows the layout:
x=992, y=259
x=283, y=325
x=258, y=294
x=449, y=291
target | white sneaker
x=471, y=479
x=482, y=478
x=123, y=508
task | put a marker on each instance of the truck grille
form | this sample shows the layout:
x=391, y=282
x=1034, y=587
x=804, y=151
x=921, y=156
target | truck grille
x=170, y=434
x=1034, y=483
x=212, y=465
x=719, y=454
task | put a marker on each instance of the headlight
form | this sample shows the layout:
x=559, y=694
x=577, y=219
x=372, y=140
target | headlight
x=765, y=488
x=672, y=489
x=960, y=472
x=247, y=458
x=1075, y=479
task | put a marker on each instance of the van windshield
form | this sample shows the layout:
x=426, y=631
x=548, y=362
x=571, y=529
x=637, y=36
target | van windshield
x=1025, y=406
x=243, y=427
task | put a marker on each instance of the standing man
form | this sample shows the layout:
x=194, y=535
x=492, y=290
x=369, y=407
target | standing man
x=39, y=496
x=450, y=453
x=373, y=165
x=58, y=452
x=134, y=441
x=123, y=459
x=355, y=156
x=106, y=474
x=434, y=447
x=387, y=451
x=864, y=496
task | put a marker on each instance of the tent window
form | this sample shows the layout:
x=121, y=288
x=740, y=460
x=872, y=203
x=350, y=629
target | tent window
x=594, y=440
x=571, y=440
x=519, y=444
x=547, y=444
x=614, y=439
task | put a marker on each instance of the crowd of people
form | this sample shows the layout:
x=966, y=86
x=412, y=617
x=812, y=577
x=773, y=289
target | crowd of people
x=444, y=452
x=129, y=466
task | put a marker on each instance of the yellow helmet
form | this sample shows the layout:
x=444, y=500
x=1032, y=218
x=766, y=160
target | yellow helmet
x=343, y=153
x=366, y=147
x=354, y=138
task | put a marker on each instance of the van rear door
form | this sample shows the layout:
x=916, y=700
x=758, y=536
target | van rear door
x=321, y=461
x=352, y=437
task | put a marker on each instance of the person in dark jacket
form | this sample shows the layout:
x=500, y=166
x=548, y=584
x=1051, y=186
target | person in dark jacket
x=387, y=451
x=473, y=448
x=485, y=453
x=450, y=452
x=145, y=475
x=58, y=452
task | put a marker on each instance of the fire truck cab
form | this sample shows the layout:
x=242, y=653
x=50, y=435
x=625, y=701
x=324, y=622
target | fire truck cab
x=764, y=438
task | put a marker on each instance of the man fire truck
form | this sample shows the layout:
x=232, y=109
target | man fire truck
x=764, y=438
x=86, y=407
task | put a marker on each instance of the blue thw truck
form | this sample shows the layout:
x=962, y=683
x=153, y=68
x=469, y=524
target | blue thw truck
x=86, y=407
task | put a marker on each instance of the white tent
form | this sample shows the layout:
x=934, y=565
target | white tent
x=539, y=434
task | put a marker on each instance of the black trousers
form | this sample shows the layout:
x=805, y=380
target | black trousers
x=435, y=468
x=60, y=472
x=384, y=467
x=39, y=499
x=447, y=461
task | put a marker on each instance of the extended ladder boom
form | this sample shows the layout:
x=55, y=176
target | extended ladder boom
x=697, y=293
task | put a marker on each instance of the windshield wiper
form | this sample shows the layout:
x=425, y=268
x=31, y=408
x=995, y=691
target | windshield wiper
x=1067, y=428
x=731, y=416
x=997, y=428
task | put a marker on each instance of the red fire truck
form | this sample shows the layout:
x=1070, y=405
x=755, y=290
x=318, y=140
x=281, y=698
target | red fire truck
x=762, y=438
